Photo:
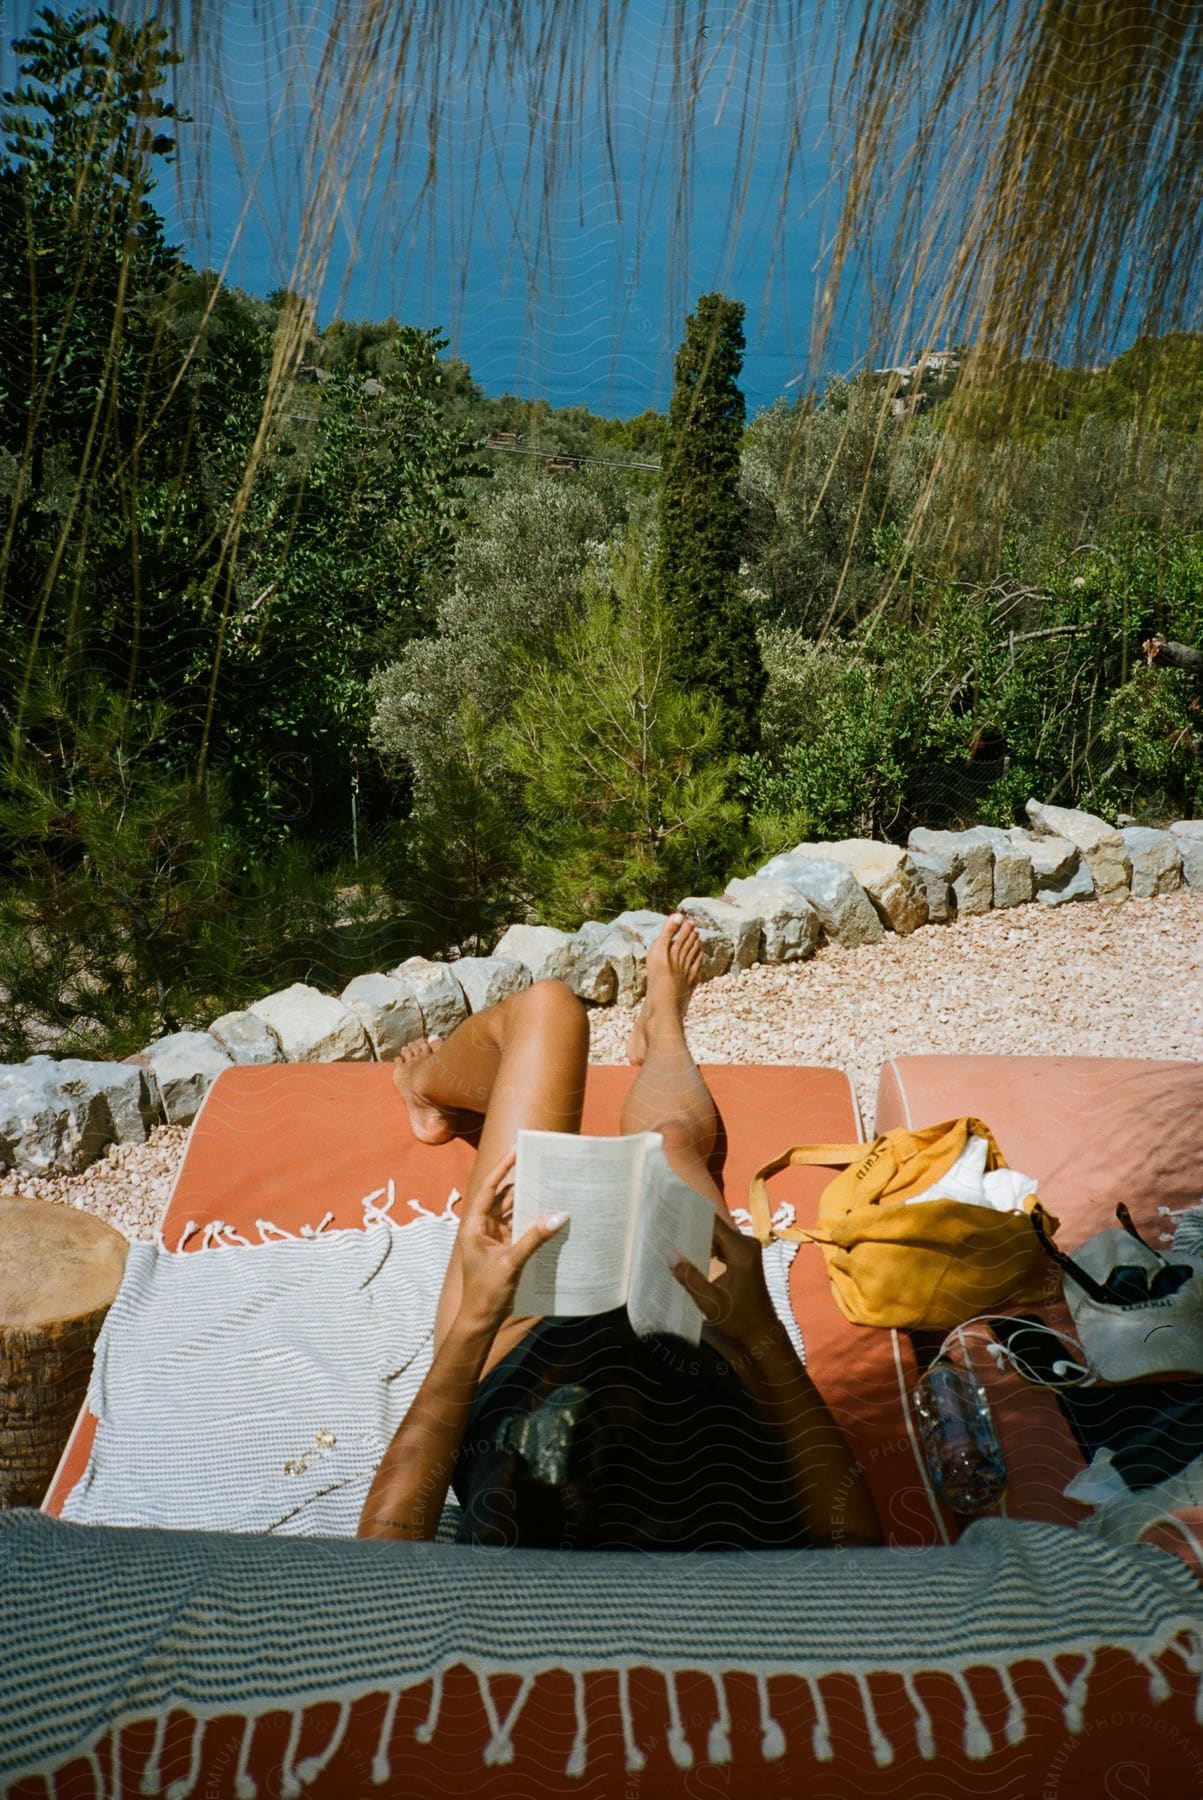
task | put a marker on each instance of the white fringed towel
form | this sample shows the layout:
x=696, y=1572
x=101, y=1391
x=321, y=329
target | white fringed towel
x=256, y=1388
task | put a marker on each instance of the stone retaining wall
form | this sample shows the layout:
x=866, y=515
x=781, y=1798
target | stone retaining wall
x=56, y=1117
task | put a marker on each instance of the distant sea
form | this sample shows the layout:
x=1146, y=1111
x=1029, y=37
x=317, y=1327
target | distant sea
x=582, y=301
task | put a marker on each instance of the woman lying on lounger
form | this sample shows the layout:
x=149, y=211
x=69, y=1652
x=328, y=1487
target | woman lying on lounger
x=574, y=1432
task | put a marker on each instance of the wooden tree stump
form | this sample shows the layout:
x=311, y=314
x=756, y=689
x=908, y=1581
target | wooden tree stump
x=59, y=1274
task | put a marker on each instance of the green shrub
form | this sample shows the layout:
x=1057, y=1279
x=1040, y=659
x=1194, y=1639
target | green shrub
x=461, y=880
x=125, y=915
x=837, y=724
x=1154, y=726
x=992, y=694
x=820, y=485
x=520, y=558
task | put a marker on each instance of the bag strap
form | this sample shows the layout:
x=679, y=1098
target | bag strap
x=824, y=1156
x=1076, y=1273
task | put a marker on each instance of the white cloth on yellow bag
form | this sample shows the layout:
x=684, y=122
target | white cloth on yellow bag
x=1002, y=1190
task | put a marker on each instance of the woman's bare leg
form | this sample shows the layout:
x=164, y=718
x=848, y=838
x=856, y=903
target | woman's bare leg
x=521, y=1063
x=669, y=1095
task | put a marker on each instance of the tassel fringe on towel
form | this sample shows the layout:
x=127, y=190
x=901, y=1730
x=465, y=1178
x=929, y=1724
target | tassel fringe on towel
x=708, y=1745
x=377, y=1210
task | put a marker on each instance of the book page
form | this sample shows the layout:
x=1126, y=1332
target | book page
x=583, y=1269
x=670, y=1216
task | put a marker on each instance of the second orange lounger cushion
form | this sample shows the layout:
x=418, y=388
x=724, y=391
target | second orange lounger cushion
x=1092, y=1130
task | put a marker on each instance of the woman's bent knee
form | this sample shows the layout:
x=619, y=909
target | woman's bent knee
x=684, y=1135
x=549, y=1001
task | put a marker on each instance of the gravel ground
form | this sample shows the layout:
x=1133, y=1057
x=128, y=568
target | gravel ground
x=1080, y=979
x=1088, y=980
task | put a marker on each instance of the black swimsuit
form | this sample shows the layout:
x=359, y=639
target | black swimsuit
x=586, y=1436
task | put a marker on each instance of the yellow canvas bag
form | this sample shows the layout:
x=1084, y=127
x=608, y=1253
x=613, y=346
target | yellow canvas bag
x=924, y=1267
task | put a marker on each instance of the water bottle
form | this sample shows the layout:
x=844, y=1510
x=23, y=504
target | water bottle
x=960, y=1444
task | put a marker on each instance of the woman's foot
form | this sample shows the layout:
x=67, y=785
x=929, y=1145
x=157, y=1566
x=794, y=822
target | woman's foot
x=674, y=968
x=430, y=1124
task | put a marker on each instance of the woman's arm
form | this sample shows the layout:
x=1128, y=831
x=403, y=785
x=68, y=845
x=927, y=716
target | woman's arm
x=408, y=1490
x=833, y=1499
x=832, y=1496
x=407, y=1494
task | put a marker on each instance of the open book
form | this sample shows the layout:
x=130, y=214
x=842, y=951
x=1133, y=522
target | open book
x=627, y=1212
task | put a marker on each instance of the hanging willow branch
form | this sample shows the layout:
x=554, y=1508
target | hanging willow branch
x=1042, y=166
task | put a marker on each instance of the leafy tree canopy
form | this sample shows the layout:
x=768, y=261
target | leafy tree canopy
x=83, y=132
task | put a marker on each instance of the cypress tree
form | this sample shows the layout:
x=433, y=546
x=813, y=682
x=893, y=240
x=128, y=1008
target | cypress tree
x=702, y=522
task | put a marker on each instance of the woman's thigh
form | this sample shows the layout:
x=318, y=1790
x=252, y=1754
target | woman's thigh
x=540, y=1086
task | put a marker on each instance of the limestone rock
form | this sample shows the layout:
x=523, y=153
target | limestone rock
x=626, y=953
x=845, y=910
x=740, y=928
x=130, y=1094
x=487, y=979
x=1100, y=846
x=933, y=878
x=1156, y=860
x=1079, y=885
x=1053, y=859
x=44, y=1131
x=1189, y=836
x=969, y=860
x=1014, y=877
x=185, y=1064
x=246, y=1038
x=591, y=973
x=789, y=924
x=646, y=925
x=387, y=1010
x=1057, y=870
x=439, y=995
x=546, y=952
x=312, y=1026
x=887, y=875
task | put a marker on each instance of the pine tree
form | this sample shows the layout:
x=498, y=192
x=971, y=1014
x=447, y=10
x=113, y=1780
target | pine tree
x=625, y=780
x=84, y=132
x=702, y=522
x=460, y=876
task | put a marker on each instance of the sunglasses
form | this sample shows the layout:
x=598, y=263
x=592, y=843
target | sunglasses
x=1128, y=1284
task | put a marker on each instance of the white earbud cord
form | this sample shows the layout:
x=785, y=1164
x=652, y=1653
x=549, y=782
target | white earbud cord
x=1077, y=1373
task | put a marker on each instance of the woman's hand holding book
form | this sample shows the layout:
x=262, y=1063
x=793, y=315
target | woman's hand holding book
x=740, y=1317
x=492, y=1261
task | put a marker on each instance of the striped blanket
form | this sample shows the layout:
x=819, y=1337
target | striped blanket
x=214, y=1623
x=256, y=1389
